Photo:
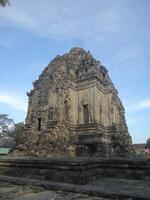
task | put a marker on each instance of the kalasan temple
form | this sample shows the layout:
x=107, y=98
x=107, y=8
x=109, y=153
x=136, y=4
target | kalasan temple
x=74, y=110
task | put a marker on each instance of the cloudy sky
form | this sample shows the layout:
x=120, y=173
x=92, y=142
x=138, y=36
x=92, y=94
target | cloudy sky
x=117, y=32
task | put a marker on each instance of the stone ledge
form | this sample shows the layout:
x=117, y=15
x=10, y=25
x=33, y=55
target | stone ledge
x=107, y=188
x=80, y=170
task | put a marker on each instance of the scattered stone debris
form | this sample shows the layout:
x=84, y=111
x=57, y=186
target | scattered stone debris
x=15, y=192
x=10, y=191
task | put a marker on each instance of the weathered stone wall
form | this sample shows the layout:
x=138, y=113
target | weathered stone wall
x=74, y=98
x=77, y=170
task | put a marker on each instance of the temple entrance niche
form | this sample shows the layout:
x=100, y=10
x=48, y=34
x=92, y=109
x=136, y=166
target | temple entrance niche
x=66, y=110
x=100, y=114
x=85, y=114
x=39, y=123
x=51, y=114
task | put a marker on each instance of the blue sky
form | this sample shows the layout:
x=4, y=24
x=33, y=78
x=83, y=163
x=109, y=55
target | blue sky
x=117, y=32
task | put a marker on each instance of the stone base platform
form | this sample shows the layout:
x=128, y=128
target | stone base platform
x=79, y=170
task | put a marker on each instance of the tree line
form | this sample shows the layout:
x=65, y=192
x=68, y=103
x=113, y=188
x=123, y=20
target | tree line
x=8, y=128
x=4, y=3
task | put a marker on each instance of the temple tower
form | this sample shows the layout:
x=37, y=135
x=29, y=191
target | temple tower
x=74, y=109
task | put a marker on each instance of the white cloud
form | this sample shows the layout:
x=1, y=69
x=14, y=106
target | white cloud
x=132, y=121
x=17, y=103
x=9, y=40
x=65, y=19
x=128, y=53
x=143, y=104
x=139, y=105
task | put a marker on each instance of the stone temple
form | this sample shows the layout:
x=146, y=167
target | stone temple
x=74, y=110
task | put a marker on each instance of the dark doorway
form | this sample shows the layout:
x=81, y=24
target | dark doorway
x=92, y=149
x=39, y=124
x=85, y=114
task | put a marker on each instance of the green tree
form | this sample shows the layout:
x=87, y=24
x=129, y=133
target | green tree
x=4, y=3
x=18, y=130
x=6, y=125
x=148, y=143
